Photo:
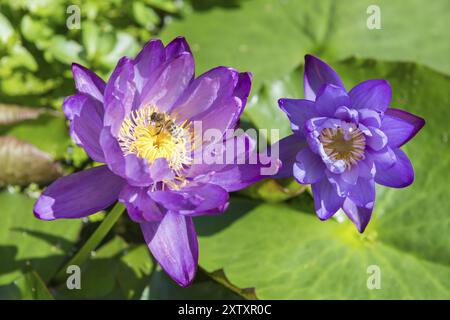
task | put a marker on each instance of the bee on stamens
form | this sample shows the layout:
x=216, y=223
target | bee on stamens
x=158, y=119
x=172, y=128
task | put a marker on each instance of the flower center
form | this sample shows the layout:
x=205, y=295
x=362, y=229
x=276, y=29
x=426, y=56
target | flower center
x=343, y=145
x=150, y=135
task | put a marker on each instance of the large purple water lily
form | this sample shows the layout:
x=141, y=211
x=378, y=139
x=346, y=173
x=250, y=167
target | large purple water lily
x=139, y=124
x=345, y=142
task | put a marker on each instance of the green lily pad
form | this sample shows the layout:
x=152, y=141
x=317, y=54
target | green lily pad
x=284, y=253
x=26, y=242
x=29, y=286
x=203, y=288
x=270, y=37
x=112, y=272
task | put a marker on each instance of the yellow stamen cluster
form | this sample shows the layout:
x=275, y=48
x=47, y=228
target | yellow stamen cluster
x=340, y=145
x=150, y=134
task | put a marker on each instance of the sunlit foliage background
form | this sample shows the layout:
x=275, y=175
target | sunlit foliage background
x=269, y=244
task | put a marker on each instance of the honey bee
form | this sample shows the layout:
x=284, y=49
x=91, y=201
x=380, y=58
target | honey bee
x=159, y=119
x=172, y=128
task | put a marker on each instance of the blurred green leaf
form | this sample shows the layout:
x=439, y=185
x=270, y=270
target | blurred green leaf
x=287, y=254
x=270, y=38
x=6, y=30
x=48, y=133
x=263, y=111
x=64, y=50
x=36, y=31
x=162, y=288
x=20, y=84
x=91, y=35
x=271, y=190
x=410, y=31
x=125, y=45
x=26, y=242
x=135, y=269
x=95, y=282
x=29, y=286
x=164, y=5
x=114, y=271
x=258, y=36
x=18, y=57
x=23, y=163
x=145, y=16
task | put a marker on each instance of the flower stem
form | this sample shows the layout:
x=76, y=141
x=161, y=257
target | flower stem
x=92, y=243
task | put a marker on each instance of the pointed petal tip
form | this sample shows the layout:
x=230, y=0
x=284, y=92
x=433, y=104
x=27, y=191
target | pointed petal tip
x=323, y=216
x=178, y=45
x=76, y=66
x=247, y=74
x=187, y=282
x=311, y=58
x=173, y=243
x=43, y=208
x=361, y=228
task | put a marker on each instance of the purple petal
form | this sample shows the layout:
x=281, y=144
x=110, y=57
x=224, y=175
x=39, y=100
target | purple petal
x=383, y=159
x=140, y=205
x=165, y=90
x=208, y=91
x=120, y=94
x=72, y=105
x=288, y=148
x=237, y=177
x=400, y=175
x=347, y=114
x=326, y=200
x=318, y=73
x=235, y=149
x=400, y=126
x=342, y=184
x=224, y=117
x=329, y=99
x=193, y=200
x=240, y=165
x=350, y=176
x=377, y=140
x=79, y=194
x=363, y=193
x=369, y=118
x=177, y=47
x=366, y=168
x=243, y=86
x=371, y=94
x=360, y=216
x=308, y=167
x=88, y=82
x=160, y=170
x=135, y=170
x=147, y=61
x=87, y=127
x=173, y=243
x=299, y=111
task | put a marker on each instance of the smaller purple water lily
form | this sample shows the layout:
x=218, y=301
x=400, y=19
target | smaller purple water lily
x=141, y=125
x=345, y=142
